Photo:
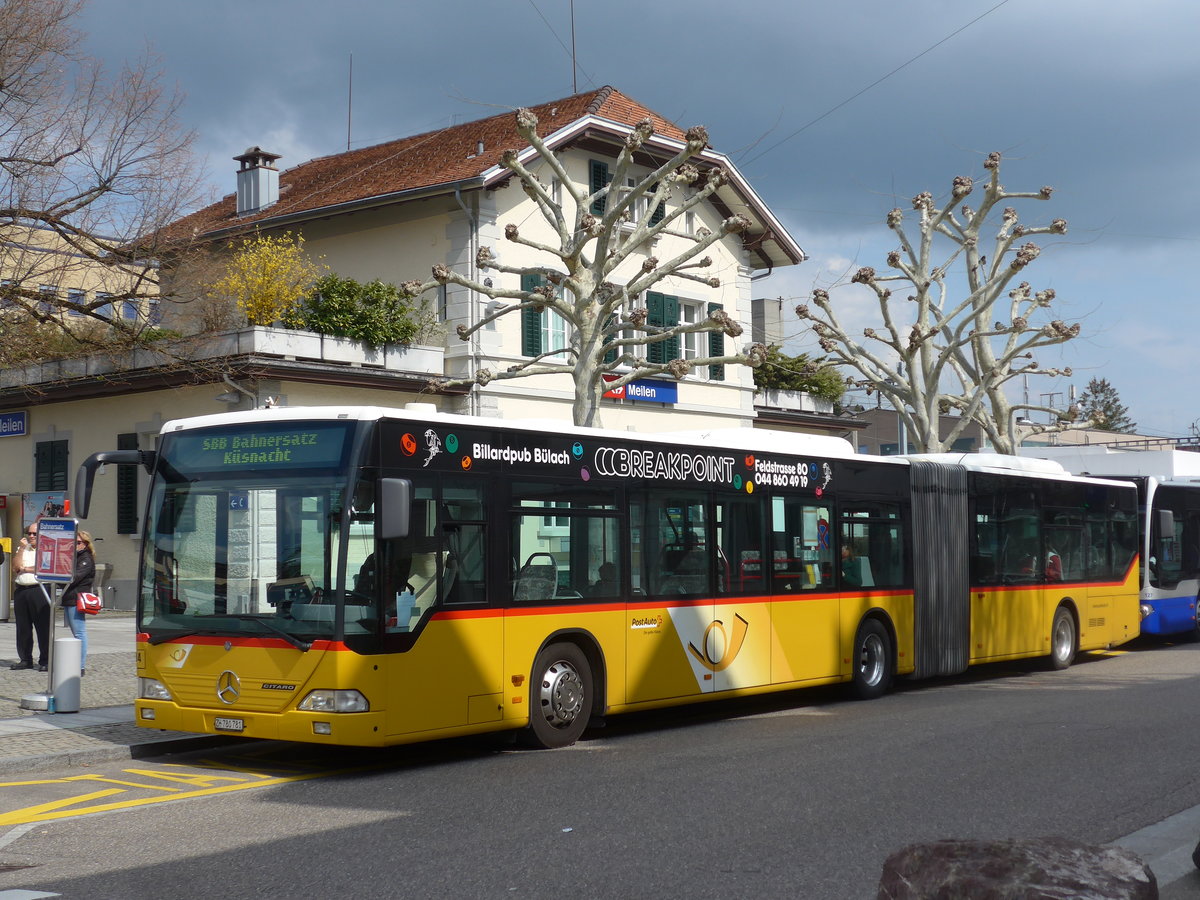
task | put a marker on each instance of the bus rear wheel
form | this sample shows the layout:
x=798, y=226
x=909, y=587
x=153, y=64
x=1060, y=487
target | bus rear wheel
x=1062, y=639
x=873, y=664
x=560, y=697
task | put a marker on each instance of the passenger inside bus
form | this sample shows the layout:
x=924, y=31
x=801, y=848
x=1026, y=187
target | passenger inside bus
x=851, y=575
x=606, y=584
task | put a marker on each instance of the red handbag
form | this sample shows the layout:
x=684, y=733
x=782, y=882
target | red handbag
x=88, y=603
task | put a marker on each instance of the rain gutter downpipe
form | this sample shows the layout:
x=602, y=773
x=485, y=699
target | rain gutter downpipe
x=473, y=312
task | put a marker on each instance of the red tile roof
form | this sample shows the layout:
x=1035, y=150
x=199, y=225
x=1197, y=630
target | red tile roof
x=420, y=161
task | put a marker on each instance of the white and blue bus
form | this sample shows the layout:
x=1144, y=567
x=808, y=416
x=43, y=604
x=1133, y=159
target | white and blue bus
x=1168, y=484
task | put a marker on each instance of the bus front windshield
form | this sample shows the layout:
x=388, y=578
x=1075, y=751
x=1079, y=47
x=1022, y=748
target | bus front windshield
x=225, y=558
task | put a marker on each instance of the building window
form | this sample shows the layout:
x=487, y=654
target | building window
x=76, y=298
x=129, y=311
x=544, y=331
x=554, y=331
x=153, y=312
x=667, y=311
x=105, y=310
x=50, y=466
x=691, y=342
x=48, y=294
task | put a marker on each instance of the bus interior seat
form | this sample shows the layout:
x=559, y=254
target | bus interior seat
x=537, y=579
x=684, y=568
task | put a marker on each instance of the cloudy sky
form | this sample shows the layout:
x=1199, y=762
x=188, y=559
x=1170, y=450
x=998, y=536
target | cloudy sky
x=836, y=112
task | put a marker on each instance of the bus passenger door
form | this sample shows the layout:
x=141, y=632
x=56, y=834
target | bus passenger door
x=738, y=642
x=448, y=673
x=672, y=633
x=805, y=610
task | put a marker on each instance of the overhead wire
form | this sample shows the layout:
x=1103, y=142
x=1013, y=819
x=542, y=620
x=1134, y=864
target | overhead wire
x=873, y=84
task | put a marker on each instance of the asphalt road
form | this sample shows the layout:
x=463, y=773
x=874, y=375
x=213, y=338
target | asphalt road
x=802, y=795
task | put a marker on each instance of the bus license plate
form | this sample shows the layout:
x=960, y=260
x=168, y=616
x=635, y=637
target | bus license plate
x=224, y=723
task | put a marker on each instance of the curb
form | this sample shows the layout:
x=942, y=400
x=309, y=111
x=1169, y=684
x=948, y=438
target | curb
x=83, y=757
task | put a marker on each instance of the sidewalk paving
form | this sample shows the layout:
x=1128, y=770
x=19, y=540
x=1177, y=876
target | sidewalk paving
x=103, y=730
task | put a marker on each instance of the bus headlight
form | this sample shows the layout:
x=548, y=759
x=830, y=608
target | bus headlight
x=1145, y=609
x=152, y=689
x=335, y=702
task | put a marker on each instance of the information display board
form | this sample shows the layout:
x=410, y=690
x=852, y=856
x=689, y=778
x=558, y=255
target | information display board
x=55, y=550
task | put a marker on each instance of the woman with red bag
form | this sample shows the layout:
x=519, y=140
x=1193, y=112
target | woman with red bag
x=85, y=574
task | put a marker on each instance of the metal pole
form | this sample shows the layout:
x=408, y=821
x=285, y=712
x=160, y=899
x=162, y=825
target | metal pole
x=50, y=652
x=574, y=68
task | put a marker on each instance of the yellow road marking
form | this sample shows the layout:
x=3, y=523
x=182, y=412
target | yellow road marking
x=70, y=807
x=43, y=812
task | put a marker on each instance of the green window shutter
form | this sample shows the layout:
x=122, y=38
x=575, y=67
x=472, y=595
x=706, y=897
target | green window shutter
x=660, y=211
x=599, y=178
x=50, y=466
x=654, y=306
x=716, y=346
x=531, y=320
x=127, y=480
x=670, y=318
x=664, y=312
x=41, y=466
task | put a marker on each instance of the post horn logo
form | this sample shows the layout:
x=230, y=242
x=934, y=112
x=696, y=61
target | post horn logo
x=731, y=647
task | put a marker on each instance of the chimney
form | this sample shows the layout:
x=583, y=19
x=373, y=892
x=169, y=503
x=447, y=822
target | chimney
x=257, y=180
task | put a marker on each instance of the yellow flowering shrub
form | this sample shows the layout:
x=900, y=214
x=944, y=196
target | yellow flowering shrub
x=268, y=277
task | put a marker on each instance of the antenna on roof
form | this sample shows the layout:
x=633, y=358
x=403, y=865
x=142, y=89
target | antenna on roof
x=574, y=86
x=349, y=101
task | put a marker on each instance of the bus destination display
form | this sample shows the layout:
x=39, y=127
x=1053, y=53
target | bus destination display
x=304, y=446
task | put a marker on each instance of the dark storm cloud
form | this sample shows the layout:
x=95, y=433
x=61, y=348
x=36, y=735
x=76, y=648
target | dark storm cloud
x=1095, y=100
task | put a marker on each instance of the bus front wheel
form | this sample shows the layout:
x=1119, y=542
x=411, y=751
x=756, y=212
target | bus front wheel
x=1062, y=639
x=560, y=697
x=873, y=664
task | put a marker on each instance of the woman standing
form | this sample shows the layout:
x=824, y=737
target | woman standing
x=85, y=575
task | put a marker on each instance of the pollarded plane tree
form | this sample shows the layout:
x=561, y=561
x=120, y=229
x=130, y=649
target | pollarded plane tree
x=963, y=331
x=597, y=231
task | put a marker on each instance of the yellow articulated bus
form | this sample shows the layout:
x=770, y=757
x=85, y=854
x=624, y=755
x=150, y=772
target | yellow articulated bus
x=364, y=576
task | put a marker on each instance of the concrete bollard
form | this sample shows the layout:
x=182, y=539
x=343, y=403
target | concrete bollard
x=64, y=676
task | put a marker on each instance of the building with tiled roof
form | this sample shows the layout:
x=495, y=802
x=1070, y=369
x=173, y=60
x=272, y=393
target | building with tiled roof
x=395, y=210
x=466, y=157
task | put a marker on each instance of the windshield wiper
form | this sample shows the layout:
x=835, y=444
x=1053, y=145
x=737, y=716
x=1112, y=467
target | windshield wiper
x=271, y=626
x=170, y=636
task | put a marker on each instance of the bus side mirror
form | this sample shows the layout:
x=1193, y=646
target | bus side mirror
x=87, y=473
x=394, y=510
x=1166, y=524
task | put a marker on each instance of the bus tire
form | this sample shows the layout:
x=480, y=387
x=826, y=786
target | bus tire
x=873, y=663
x=560, y=697
x=1062, y=639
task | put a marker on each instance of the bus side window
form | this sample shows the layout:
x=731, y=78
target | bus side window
x=464, y=543
x=801, y=545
